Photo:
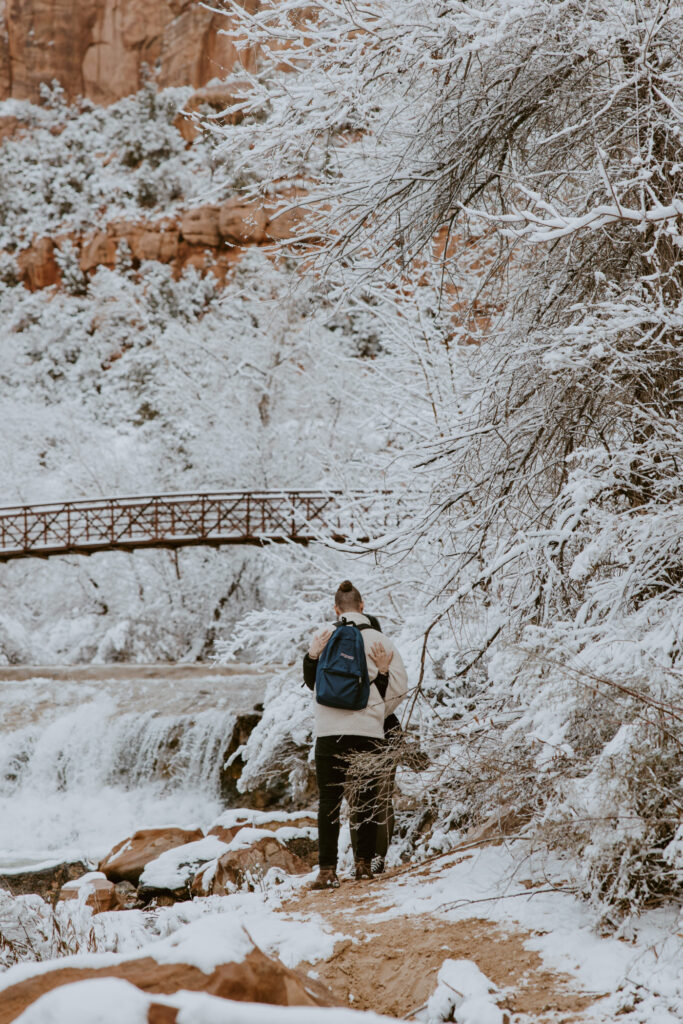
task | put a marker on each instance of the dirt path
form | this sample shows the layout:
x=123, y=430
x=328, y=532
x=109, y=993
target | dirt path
x=391, y=966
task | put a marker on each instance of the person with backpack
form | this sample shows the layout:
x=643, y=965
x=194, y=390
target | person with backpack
x=359, y=680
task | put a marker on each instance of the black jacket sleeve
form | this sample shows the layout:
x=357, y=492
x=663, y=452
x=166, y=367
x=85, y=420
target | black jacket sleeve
x=310, y=668
x=381, y=681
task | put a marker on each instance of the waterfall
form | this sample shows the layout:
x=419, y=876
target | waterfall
x=81, y=774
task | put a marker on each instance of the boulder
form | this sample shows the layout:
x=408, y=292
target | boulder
x=283, y=227
x=250, y=977
x=154, y=244
x=227, y=826
x=171, y=873
x=155, y=241
x=242, y=223
x=219, y=99
x=37, y=264
x=126, y=896
x=244, y=861
x=101, y=893
x=303, y=844
x=127, y=860
x=298, y=832
x=45, y=882
x=200, y=226
x=99, y=248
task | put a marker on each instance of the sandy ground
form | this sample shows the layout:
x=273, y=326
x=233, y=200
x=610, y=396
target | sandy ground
x=391, y=966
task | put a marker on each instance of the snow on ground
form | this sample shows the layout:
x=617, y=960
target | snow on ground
x=641, y=969
x=203, y=932
x=464, y=990
x=635, y=978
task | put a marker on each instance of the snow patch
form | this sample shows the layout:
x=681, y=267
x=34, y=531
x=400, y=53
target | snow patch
x=172, y=868
x=97, y=1001
x=464, y=990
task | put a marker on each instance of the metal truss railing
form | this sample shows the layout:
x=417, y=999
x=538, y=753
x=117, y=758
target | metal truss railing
x=179, y=520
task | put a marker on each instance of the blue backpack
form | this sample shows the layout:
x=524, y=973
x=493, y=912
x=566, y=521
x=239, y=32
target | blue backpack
x=341, y=678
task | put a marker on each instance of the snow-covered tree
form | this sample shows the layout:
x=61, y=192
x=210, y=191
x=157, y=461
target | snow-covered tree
x=520, y=164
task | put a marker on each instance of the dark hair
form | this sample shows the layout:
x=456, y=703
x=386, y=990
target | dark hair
x=347, y=598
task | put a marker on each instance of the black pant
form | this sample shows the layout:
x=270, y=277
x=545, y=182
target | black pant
x=393, y=750
x=386, y=820
x=334, y=763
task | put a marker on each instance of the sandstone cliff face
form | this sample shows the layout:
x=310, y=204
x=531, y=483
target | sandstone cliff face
x=212, y=239
x=100, y=48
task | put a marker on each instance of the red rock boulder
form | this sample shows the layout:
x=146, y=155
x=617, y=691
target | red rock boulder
x=200, y=226
x=101, y=893
x=242, y=223
x=256, y=978
x=37, y=264
x=259, y=820
x=127, y=860
x=244, y=865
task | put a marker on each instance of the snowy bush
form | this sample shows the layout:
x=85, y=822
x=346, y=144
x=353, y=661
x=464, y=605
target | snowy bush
x=77, y=161
x=31, y=929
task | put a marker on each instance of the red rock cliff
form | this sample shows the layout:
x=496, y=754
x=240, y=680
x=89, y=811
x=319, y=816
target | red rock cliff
x=99, y=48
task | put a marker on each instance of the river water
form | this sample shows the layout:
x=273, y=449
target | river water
x=90, y=753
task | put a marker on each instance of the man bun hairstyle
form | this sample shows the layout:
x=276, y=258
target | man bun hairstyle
x=347, y=598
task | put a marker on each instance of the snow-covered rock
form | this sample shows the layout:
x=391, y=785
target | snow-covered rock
x=127, y=860
x=231, y=821
x=463, y=994
x=248, y=857
x=98, y=892
x=298, y=831
x=173, y=870
x=214, y=955
x=112, y=1001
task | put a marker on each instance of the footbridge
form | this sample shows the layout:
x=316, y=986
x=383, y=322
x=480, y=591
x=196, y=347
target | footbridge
x=181, y=520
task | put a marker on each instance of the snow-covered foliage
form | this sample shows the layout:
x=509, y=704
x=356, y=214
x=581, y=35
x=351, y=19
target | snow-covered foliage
x=536, y=147
x=137, y=381
x=74, y=167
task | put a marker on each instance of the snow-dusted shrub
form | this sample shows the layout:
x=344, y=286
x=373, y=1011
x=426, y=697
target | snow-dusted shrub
x=31, y=929
x=79, y=161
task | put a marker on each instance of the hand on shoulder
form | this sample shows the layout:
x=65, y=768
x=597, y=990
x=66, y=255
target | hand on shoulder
x=319, y=642
x=381, y=657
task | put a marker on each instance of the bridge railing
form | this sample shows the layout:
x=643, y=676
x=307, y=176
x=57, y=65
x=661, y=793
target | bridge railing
x=176, y=520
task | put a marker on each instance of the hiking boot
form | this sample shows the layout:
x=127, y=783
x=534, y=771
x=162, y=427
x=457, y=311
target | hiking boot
x=327, y=879
x=363, y=870
x=377, y=865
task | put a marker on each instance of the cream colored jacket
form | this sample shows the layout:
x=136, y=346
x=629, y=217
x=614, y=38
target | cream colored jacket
x=369, y=721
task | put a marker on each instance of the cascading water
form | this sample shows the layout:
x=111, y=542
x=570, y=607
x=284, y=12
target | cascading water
x=82, y=764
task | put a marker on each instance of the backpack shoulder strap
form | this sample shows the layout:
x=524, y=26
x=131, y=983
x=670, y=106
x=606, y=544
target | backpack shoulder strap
x=359, y=625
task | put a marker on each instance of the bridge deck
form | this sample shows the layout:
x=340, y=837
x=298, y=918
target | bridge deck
x=173, y=520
